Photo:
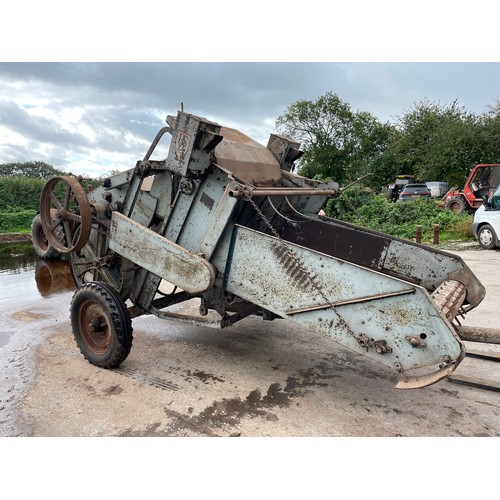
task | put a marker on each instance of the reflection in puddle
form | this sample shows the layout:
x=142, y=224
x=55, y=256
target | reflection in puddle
x=53, y=276
x=24, y=277
x=16, y=258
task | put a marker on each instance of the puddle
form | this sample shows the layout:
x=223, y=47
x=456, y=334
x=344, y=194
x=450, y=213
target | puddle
x=4, y=338
x=24, y=277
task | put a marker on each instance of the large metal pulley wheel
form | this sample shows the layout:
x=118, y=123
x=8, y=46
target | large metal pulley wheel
x=67, y=197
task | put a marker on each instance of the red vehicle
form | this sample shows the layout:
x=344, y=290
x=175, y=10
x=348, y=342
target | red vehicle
x=483, y=179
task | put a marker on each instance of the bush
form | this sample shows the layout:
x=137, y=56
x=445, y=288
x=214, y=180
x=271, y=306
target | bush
x=20, y=188
x=464, y=227
x=22, y=192
x=399, y=219
x=16, y=220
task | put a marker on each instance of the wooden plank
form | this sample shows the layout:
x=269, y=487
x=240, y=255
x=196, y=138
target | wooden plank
x=492, y=355
x=481, y=383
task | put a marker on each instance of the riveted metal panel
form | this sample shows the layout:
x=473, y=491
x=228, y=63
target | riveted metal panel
x=361, y=303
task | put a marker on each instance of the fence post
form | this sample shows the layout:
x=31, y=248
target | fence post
x=436, y=234
x=419, y=234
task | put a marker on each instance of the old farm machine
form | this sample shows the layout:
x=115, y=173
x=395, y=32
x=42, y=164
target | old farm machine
x=223, y=220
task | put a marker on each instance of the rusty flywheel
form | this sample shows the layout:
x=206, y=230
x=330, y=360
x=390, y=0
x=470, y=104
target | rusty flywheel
x=72, y=212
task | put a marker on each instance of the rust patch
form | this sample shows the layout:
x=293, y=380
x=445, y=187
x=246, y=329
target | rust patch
x=338, y=240
x=292, y=266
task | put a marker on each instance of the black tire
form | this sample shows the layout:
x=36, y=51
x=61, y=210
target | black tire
x=42, y=247
x=486, y=237
x=456, y=205
x=101, y=325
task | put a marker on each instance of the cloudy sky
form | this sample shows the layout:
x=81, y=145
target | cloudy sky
x=92, y=117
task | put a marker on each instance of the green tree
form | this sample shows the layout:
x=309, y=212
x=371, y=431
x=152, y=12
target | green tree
x=338, y=143
x=437, y=142
x=32, y=169
x=21, y=185
x=21, y=192
x=488, y=135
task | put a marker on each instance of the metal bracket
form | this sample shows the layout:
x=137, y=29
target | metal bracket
x=419, y=381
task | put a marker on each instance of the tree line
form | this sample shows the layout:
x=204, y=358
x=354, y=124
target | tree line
x=434, y=142
x=21, y=184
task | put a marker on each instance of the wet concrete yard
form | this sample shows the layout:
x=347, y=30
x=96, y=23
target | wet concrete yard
x=254, y=379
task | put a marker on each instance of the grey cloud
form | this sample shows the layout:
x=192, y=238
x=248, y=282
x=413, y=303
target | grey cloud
x=37, y=128
x=121, y=99
x=234, y=89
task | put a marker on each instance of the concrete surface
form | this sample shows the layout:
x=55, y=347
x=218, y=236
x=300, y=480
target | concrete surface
x=255, y=379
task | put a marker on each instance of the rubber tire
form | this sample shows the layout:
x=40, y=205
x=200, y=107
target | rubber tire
x=42, y=247
x=118, y=322
x=491, y=237
x=457, y=202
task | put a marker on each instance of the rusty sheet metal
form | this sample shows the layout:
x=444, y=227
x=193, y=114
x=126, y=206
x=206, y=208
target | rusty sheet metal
x=248, y=160
x=160, y=256
x=392, y=312
x=199, y=218
x=483, y=354
x=285, y=150
x=403, y=259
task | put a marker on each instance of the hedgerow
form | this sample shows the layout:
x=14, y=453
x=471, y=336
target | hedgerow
x=401, y=218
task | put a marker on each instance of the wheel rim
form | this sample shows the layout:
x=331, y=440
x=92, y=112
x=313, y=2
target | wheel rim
x=486, y=237
x=41, y=239
x=68, y=199
x=94, y=327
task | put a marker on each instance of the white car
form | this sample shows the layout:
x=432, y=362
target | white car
x=486, y=225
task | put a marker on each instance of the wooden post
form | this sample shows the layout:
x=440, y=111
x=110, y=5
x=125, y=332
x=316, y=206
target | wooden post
x=436, y=234
x=419, y=234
